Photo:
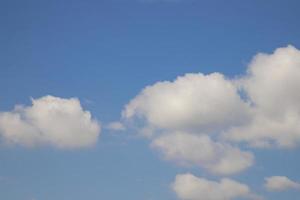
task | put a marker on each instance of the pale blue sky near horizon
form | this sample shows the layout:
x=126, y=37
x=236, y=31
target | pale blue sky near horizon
x=104, y=52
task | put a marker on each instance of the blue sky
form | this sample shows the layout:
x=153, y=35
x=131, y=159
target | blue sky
x=105, y=53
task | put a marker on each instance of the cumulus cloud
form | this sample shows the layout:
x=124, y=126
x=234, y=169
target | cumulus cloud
x=190, y=187
x=280, y=183
x=51, y=121
x=197, y=103
x=272, y=85
x=199, y=150
x=260, y=108
x=192, y=102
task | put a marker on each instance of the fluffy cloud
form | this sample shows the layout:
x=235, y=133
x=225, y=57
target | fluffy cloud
x=272, y=85
x=189, y=149
x=260, y=108
x=49, y=121
x=280, y=183
x=190, y=187
x=192, y=102
x=273, y=80
x=197, y=103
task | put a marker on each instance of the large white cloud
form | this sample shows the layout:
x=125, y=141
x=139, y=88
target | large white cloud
x=261, y=108
x=49, y=121
x=190, y=187
x=199, y=150
x=280, y=183
x=202, y=104
x=192, y=102
x=272, y=85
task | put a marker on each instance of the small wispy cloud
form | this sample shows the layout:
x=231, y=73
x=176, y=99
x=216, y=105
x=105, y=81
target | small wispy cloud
x=116, y=126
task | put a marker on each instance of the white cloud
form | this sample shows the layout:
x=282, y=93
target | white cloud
x=49, y=121
x=197, y=103
x=261, y=108
x=272, y=85
x=266, y=132
x=116, y=126
x=190, y=187
x=199, y=150
x=273, y=80
x=280, y=183
x=192, y=102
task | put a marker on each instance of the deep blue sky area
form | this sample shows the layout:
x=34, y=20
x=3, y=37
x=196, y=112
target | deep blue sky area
x=104, y=52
